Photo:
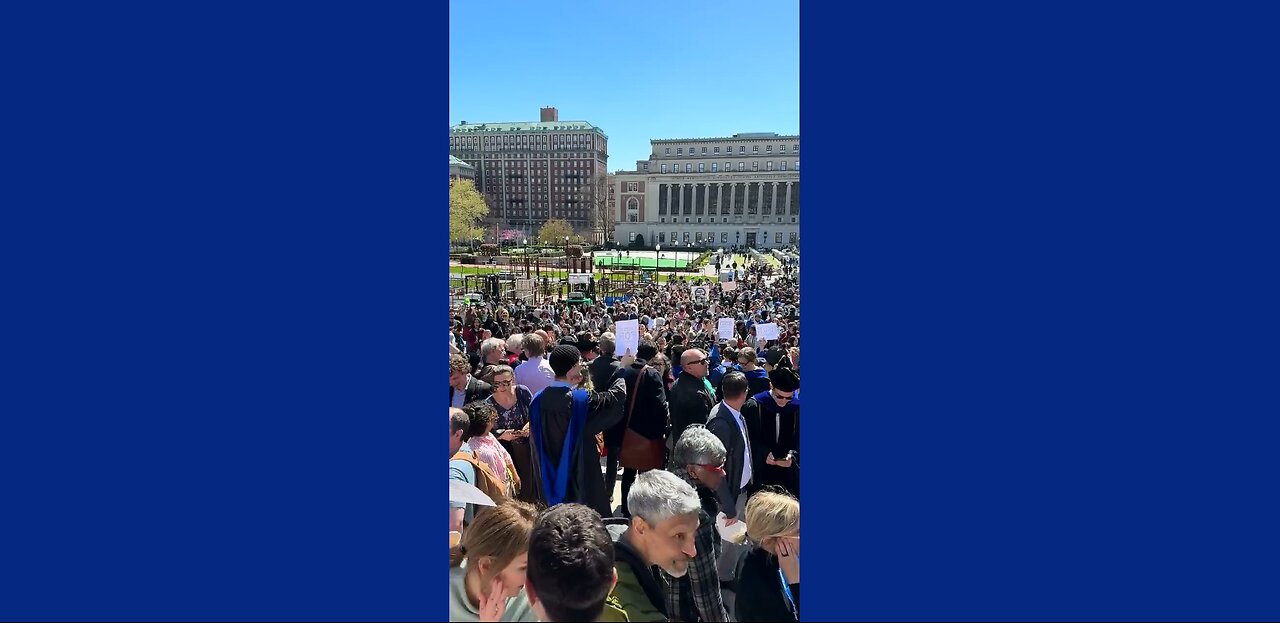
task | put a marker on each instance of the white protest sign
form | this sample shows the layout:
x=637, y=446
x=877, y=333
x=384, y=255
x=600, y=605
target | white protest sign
x=627, y=337
x=724, y=327
x=729, y=285
x=767, y=331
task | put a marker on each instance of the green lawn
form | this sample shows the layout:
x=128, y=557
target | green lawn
x=519, y=272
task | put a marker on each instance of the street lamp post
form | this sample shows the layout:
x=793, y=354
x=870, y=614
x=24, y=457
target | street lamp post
x=658, y=264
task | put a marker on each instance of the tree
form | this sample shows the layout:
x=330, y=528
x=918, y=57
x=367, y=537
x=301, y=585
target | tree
x=553, y=232
x=595, y=196
x=466, y=208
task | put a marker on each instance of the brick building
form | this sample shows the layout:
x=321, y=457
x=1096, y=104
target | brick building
x=533, y=171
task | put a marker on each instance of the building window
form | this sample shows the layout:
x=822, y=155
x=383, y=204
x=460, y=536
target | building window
x=782, y=165
x=714, y=166
x=777, y=238
x=686, y=219
x=717, y=150
x=742, y=166
x=633, y=187
x=679, y=151
x=668, y=151
x=662, y=237
x=688, y=168
x=769, y=148
x=704, y=151
x=742, y=149
x=755, y=165
x=724, y=236
x=631, y=218
x=664, y=168
x=631, y=237
x=698, y=238
x=794, y=235
x=755, y=149
x=728, y=166
x=646, y=167
x=674, y=238
x=686, y=237
x=702, y=167
x=769, y=165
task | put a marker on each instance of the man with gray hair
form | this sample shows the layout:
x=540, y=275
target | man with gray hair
x=664, y=519
x=493, y=352
x=698, y=459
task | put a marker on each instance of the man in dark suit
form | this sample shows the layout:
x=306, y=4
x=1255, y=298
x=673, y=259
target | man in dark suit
x=606, y=365
x=555, y=408
x=464, y=388
x=649, y=416
x=691, y=396
x=734, y=421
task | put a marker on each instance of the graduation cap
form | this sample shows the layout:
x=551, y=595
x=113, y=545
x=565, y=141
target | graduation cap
x=784, y=380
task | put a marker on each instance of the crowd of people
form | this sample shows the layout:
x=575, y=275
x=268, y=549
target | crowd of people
x=702, y=430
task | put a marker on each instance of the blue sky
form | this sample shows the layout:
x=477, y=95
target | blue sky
x=638, y=70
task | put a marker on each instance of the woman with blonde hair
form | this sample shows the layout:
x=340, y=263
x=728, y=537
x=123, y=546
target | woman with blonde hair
x=487, y=568
x=768, y=577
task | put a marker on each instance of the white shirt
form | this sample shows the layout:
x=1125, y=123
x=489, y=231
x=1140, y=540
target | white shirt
x=536, y=374
x=746, y=446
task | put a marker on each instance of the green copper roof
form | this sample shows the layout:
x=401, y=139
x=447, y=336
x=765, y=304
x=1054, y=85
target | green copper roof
x=525, y=126
x=455, y=162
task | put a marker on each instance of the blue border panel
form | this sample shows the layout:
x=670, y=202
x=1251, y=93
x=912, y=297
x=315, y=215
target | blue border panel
x=220, y=223
x=1045, y=375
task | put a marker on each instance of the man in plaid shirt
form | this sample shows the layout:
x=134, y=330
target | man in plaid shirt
x=698, y=458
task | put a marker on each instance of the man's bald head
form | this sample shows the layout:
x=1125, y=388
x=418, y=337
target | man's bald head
x=694, y=361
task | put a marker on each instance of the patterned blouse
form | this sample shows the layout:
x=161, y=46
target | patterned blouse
x=518, y=415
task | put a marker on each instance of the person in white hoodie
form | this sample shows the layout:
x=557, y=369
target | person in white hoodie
x=487, y=568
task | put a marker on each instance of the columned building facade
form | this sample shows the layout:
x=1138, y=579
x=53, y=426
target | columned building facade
x=742, y=190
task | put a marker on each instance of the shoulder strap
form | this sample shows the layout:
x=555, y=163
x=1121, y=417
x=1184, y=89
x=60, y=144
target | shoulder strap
x=631, y=404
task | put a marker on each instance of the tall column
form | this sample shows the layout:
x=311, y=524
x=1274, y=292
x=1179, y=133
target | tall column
x=679, y=199
x=787, y=205
x=671, y=206
x=773, y=200
x=760, y=200
x=733, y=198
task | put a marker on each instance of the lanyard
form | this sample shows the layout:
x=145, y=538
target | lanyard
x=786, y=592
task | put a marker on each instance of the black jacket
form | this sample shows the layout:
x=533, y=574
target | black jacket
x=760, y=596
x=651, y=415
x=690, y=403
x=602, y=369
x=725, y=427
x=476, y=390
x=604, y=409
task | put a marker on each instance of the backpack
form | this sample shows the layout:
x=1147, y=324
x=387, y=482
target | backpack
x=486, y=482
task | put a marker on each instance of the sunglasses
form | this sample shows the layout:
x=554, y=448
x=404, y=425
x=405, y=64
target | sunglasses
x=719, y=469
x=503, y=383
x=702, y=362
x=781, y=398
